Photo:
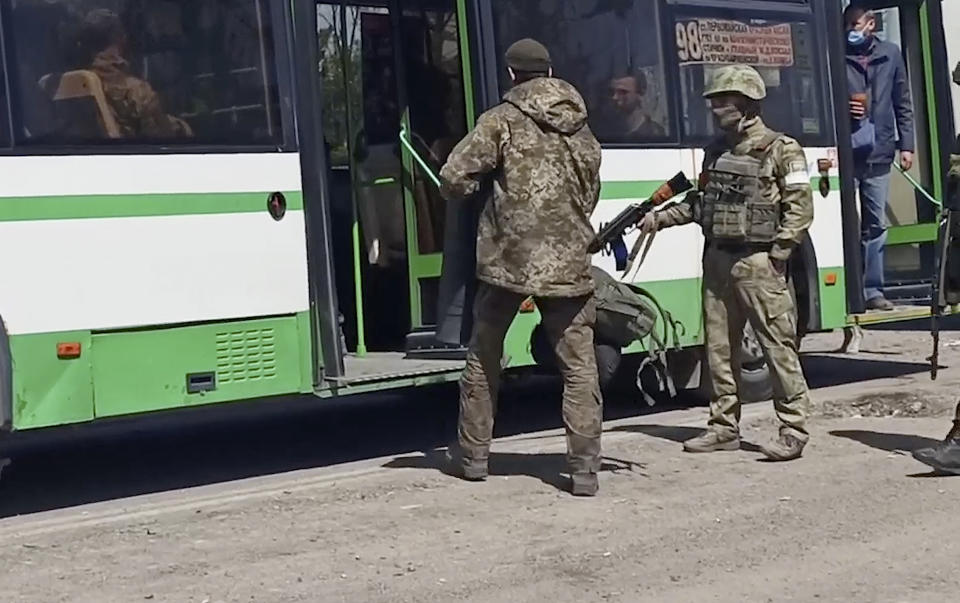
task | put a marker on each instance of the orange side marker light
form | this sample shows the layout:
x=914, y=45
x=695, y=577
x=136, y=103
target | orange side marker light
x=68, y=350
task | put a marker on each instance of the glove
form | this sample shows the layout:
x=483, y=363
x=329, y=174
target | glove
x=649, y=224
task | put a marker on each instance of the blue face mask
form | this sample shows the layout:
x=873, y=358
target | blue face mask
x=856, y=37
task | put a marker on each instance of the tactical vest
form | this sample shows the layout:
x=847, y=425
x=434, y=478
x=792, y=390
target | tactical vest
x=734, y=208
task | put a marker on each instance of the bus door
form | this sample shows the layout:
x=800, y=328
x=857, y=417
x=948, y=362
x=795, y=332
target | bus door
x=913, y=209
x=387, y=67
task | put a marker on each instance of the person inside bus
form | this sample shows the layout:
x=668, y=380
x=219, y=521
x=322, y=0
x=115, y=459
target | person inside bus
x=882, y=114
x=103, y=41
x=632, y=123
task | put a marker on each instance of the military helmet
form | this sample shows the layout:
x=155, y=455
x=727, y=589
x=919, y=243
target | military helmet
x=740, y=79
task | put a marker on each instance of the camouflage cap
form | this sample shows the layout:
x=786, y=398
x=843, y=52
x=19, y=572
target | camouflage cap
x=528, y=55
x=740, y=79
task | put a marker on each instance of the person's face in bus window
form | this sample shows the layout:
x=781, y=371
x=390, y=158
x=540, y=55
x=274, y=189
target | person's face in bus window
x=625, y=95
x=860, y=26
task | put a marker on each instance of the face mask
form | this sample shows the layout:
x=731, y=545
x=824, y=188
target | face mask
x=728, y=118
x=855, y=37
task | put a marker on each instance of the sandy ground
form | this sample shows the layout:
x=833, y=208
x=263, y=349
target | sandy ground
x=856, y=519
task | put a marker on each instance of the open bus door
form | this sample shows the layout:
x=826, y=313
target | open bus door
x=395, y=103
x=911, y=247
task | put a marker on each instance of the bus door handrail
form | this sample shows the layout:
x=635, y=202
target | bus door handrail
x=408, y=145
x=916, y=185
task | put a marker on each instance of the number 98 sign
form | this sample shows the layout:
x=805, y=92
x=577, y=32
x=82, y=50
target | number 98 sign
x=689, y=47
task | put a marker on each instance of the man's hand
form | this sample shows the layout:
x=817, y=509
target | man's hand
x=857, y=110
x=906, y=160
x=649, y=223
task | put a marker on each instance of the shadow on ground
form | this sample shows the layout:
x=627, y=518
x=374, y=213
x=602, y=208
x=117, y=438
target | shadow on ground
x=824, y=370
x=676, y=434
x=549, y=468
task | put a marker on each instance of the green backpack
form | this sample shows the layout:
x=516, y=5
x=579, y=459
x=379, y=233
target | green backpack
x=627, y=313
x=623, y=313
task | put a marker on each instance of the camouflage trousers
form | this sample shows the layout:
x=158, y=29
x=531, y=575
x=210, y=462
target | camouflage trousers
x=740, y=287
x=569, y=327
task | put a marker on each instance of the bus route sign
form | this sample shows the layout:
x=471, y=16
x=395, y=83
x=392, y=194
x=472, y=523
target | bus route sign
x=722, y=41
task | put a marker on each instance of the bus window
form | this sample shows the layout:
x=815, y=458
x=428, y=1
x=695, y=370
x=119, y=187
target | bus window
x=783, y=50
x=143, y=71
x=609, y=51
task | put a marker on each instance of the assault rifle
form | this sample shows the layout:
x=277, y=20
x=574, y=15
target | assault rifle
x=611, y=234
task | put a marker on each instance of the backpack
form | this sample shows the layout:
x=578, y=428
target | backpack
x=628, y=313
x=623, y=314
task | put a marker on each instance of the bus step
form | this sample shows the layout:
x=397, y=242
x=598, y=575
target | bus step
x=912, y=293
x=423, y=345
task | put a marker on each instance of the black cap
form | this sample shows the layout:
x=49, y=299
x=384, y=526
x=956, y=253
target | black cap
x=529, y=56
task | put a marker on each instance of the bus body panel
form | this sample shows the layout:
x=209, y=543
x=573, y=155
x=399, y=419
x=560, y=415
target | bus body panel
x=158, y=266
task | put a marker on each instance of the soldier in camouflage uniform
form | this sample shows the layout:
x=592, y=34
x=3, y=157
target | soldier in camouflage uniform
x=135, y=104
x=945, y=456
x=543, y=162
x=755, y=205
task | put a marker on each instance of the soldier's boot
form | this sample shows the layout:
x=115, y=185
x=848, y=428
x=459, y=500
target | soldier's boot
x=787, y=447
x=474, y=470
x=945, y=456
x=584, y=484
x=713, y=441
x=458, y=463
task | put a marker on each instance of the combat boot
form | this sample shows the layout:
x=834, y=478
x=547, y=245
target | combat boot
x=785, y=448
x=459, y=464
x=945, y=456
x=713, y=441
x=474, y=470
x=584, y=484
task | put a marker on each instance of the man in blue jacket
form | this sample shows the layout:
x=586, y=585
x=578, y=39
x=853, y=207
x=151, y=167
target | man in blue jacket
x=882, y=115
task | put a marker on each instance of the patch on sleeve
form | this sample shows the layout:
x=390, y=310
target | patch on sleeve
x=796, y=173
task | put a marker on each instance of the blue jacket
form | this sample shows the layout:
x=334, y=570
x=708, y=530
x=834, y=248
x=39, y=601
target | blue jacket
x=880, y=72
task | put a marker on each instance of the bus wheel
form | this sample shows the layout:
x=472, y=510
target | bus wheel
x=755, y=382
x=608, y=356
x=608, y=361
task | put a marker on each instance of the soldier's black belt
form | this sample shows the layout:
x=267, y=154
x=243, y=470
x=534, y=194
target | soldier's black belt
x=741, y=247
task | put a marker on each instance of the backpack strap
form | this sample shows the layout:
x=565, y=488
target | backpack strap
x=657, y=350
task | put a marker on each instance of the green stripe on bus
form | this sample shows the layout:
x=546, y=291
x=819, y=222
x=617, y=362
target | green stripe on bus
x=183, y=204
x=642, y=189
x=133, y=206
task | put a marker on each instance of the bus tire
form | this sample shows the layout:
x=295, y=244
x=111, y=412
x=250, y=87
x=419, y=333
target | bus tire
x=755, y=384
x=608, y=356
x=608, y=361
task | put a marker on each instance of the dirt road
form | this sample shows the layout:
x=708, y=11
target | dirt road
x=856, y=519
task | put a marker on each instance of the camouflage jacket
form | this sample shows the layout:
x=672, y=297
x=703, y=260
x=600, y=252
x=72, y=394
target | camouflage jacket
x=788, y=184
x=544, y=163
x=134, y=102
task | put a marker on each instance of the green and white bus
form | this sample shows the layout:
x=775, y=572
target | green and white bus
x=295, y=241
